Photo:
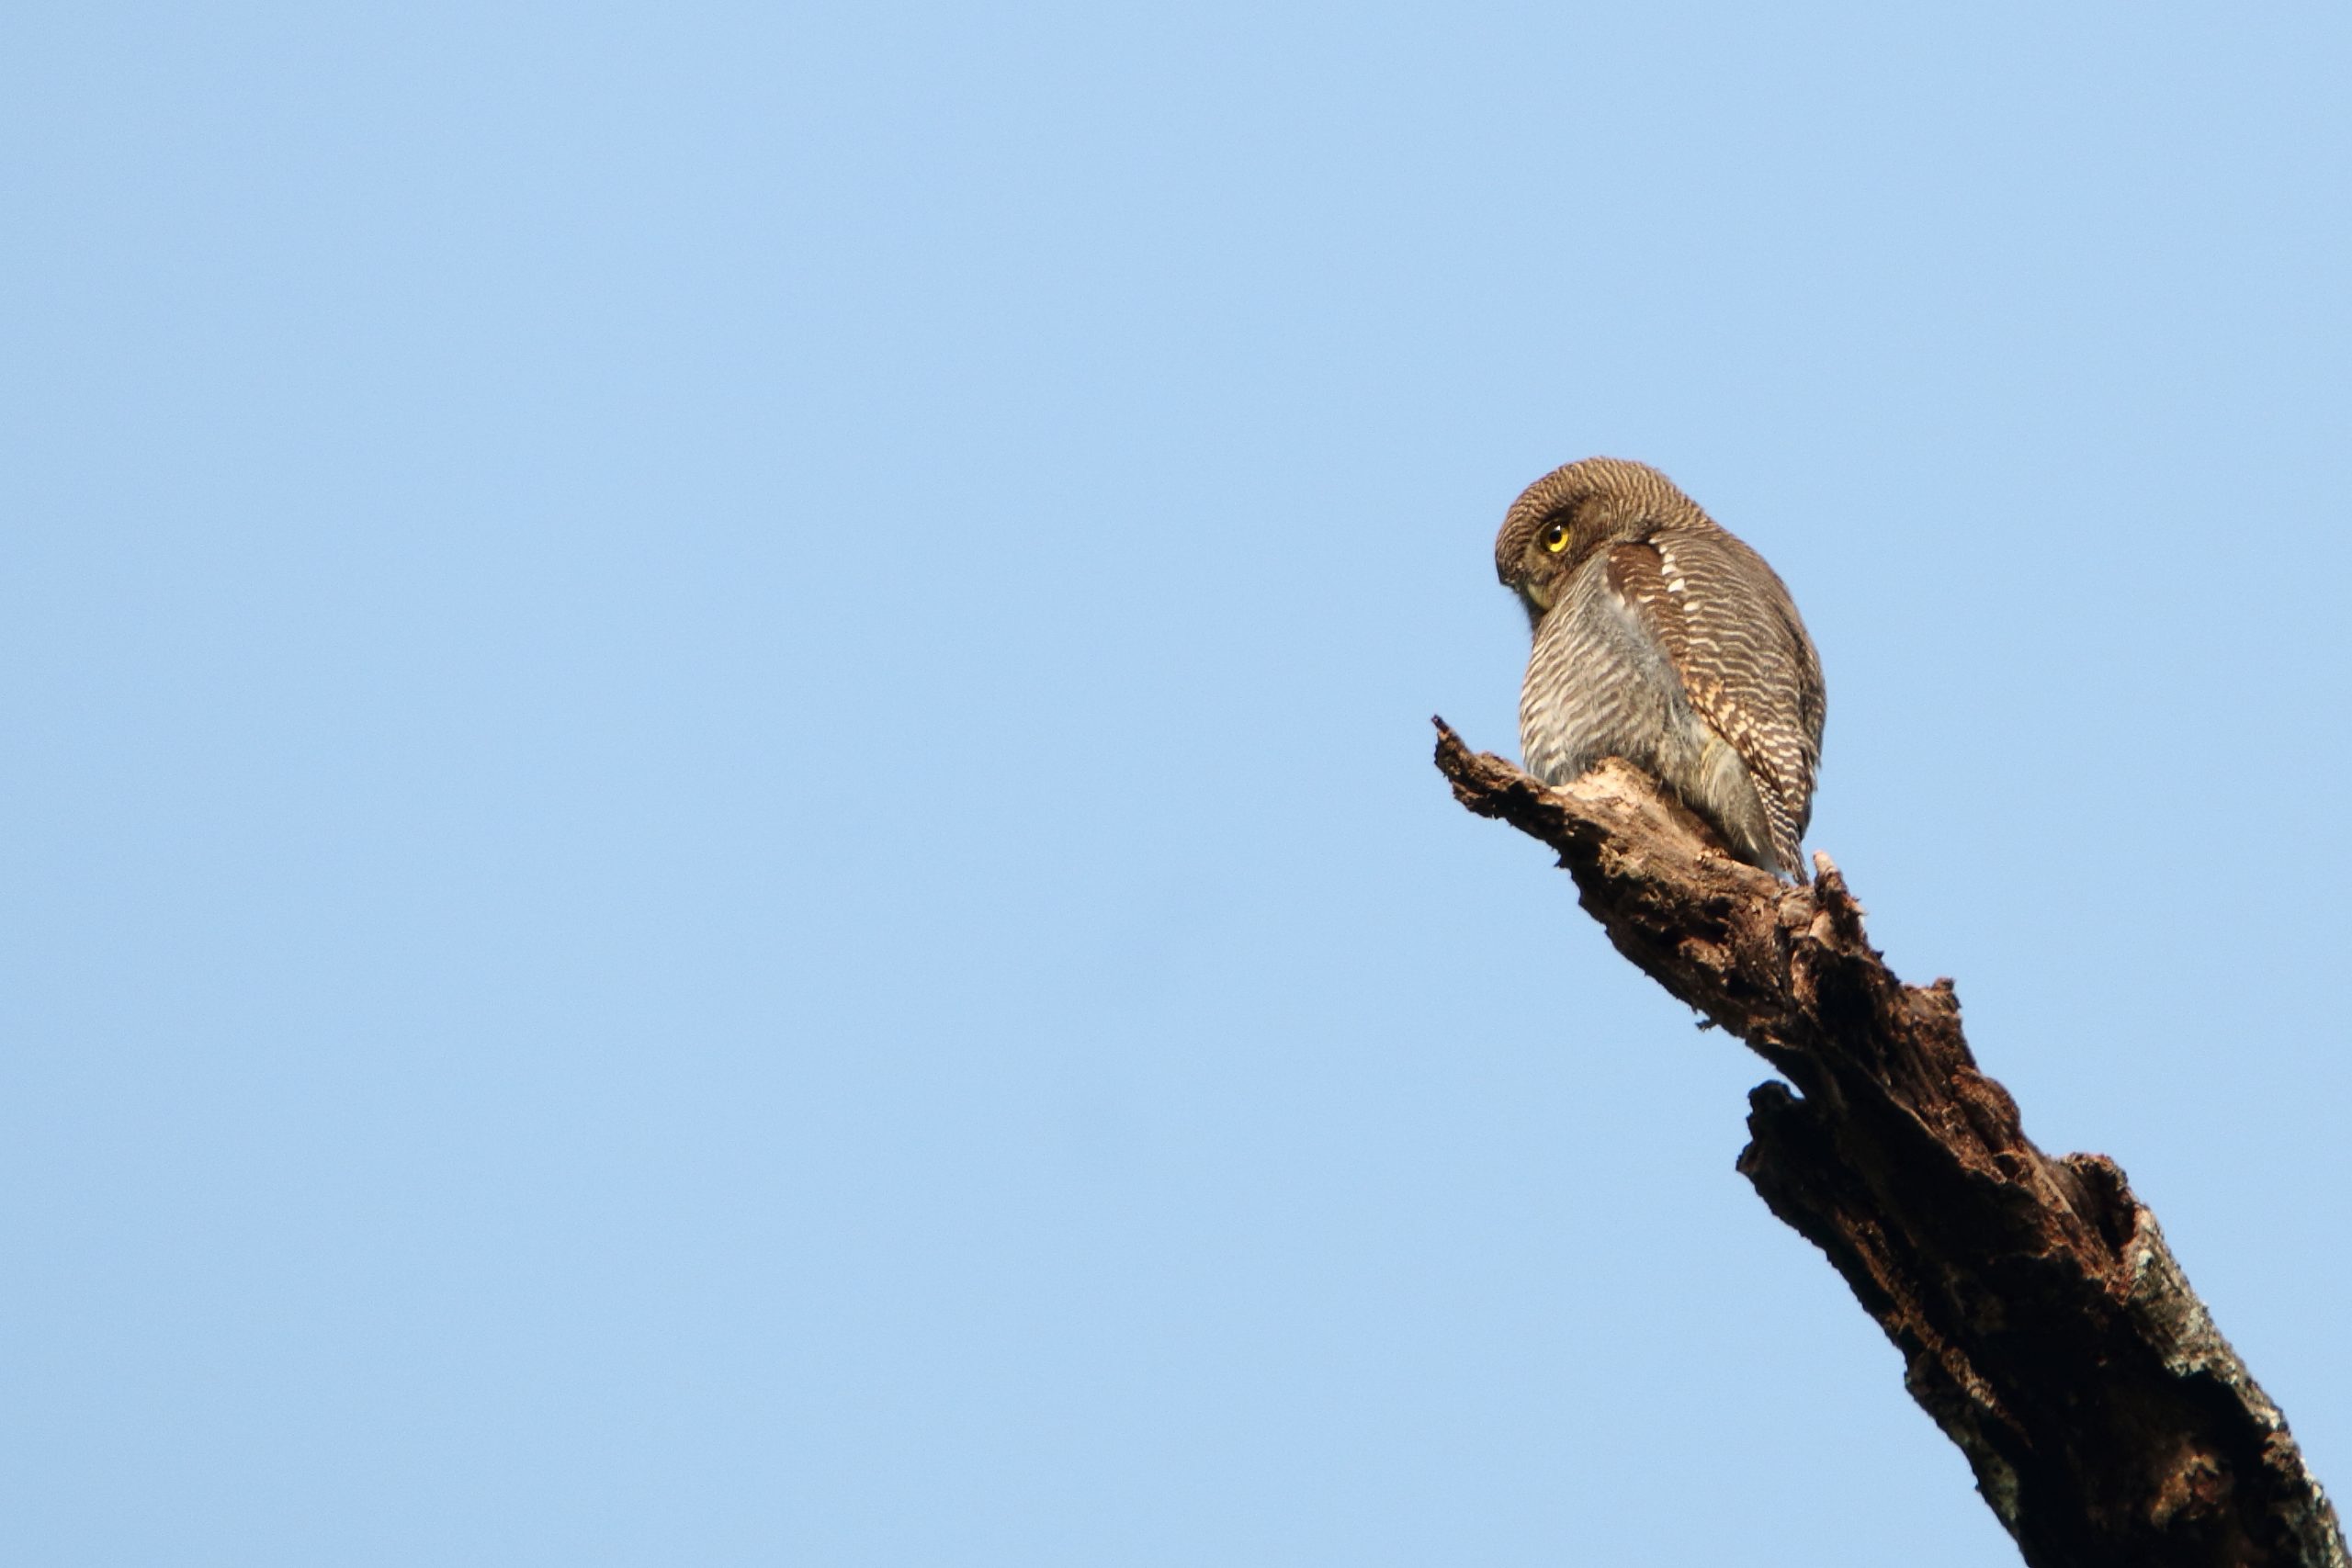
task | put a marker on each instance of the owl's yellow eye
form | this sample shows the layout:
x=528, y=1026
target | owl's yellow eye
x=1555, y=537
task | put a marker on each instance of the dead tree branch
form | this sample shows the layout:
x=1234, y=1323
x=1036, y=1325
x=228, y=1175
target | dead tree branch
x=2042, y=1322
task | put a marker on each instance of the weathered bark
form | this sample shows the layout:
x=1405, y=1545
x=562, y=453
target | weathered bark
x=2042, y=1322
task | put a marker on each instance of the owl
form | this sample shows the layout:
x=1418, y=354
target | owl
x=1662, y=640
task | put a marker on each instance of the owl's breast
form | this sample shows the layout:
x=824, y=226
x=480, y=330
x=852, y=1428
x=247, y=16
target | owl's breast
x=1600, y=685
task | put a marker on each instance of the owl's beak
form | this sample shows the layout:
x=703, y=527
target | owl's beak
x=1536, y=600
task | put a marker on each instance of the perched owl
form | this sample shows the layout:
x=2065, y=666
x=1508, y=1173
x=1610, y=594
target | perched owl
x=1662, y=640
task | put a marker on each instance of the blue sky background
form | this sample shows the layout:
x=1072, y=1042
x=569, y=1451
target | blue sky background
x=717, y=829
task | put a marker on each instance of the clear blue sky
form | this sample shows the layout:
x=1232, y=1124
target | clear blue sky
x=718, y=832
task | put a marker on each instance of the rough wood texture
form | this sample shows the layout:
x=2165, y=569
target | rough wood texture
x=2042, y=1322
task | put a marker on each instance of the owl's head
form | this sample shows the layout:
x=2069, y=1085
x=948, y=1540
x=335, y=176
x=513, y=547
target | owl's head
x=1559, y=522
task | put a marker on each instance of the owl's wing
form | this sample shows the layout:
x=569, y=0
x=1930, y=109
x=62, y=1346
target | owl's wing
x=1727, y=624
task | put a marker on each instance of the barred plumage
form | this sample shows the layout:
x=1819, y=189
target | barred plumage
x=1662, y=640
